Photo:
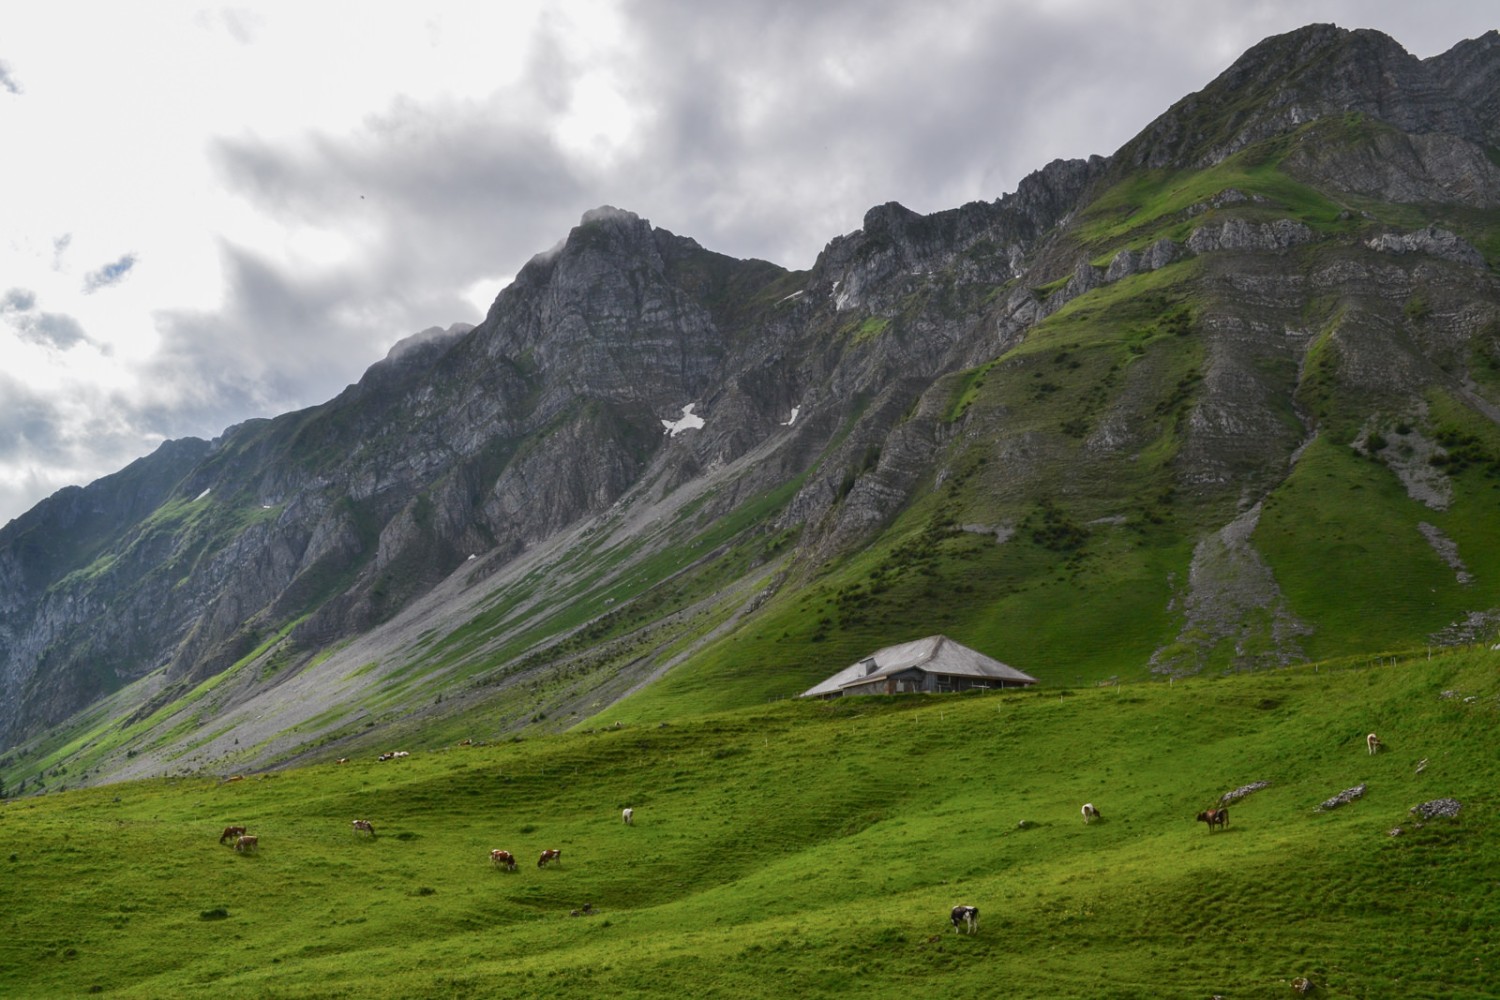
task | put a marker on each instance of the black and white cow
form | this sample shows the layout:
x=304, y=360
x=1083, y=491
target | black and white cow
x=965, y=916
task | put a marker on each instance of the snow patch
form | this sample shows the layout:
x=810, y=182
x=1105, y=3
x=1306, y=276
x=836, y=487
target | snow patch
x=687, y=422
x=793, y=419
x=205, y=493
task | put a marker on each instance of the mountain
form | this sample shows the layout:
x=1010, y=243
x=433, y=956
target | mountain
x=1228, y=398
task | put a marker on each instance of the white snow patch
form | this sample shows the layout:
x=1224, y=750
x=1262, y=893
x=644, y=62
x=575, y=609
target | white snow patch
x=688, y=422
x=200, y=496
x=793, y=419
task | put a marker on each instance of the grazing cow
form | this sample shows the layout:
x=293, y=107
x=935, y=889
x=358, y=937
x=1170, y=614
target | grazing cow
x=1214, y=817
x=247, y=843
x=628, y=816
x=965, y=916
x=505, y=858
x=366, y=826
x=1090, y=813
x=550, y=854
x=231, y=832
x=1373, y=743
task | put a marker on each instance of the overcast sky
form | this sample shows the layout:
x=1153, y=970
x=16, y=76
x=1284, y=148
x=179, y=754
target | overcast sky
x=212, y=213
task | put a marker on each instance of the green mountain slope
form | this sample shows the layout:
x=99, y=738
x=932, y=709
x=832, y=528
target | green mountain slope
x=814, y=848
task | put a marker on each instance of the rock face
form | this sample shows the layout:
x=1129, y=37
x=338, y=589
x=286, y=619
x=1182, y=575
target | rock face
x=1343, y=798
x=933, y=367
x=1437, y=809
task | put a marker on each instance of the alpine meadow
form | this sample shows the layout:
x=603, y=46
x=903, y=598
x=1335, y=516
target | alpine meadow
x=1202, y=436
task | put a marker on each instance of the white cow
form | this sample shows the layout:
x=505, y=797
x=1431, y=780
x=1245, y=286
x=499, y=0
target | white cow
x=628, y=816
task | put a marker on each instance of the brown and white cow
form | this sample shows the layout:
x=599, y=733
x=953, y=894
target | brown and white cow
x=247, y=843
x=503, y=859
x=1214, y=817
x=1090, y=813
x=365, y=826
x=231, y=832
x=962, y=915
x=550, y=854
x=1372, y=742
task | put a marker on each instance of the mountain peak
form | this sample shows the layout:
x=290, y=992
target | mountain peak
x=610, y=214
x=1291, y=79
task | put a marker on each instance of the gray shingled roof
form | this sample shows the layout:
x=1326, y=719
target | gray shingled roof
x=936, y=654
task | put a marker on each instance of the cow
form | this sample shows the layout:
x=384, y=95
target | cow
x=550, y=854
x=628, y=816
x=1090, y=813
x=365, y=826
x=505, y=858
x=1214, y=817
x=247, y=843
x=1372, y=742
x=231, y=832
x=965, y=916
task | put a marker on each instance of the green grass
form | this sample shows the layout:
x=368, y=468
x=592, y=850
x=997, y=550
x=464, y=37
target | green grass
x=1336, y=526
x=813, y=849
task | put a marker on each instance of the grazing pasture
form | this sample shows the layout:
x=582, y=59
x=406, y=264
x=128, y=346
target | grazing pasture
x=813, y=848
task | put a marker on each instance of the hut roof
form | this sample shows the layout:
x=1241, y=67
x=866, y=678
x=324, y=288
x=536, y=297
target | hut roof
x=936, y=654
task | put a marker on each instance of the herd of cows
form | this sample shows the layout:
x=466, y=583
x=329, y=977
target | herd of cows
x=242, y=842
x=963, y=916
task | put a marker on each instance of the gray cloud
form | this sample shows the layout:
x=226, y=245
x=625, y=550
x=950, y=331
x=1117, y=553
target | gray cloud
x=110, y=274
x=8, y=81
x=284, y=339
x=56, y=330
x=17, y=300
x=55, y=442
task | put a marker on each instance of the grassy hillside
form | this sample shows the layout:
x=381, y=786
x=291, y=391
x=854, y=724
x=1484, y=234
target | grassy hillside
x=814, y=849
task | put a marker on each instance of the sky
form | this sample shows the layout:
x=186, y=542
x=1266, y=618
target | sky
x=211, y=213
